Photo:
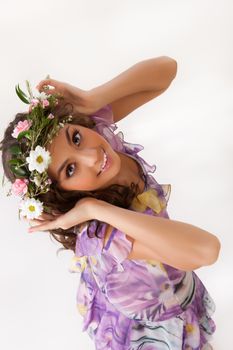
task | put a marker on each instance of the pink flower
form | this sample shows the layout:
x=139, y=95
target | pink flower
x=49, y=181
x=34, y=102
x=45, y=103
x=20, y=187
x=50, y=116
x=21, y=126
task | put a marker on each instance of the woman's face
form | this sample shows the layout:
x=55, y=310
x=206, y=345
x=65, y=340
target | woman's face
x=77, y=156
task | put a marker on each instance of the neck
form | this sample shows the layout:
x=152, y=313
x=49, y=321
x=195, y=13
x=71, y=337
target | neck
x=129, y=171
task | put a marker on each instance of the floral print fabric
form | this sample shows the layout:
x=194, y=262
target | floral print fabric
x=138, y=304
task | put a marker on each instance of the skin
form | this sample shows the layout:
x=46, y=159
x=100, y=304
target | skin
x=85, y=155
x=175, y=243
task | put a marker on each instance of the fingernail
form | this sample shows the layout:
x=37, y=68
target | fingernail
x=30, y=230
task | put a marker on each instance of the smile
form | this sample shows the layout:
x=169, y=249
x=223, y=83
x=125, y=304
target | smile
x=106, y=163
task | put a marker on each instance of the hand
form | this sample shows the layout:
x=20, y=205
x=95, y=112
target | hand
x=82, y=211
x=82, y=100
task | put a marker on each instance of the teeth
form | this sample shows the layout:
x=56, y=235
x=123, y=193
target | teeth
x=105, y=160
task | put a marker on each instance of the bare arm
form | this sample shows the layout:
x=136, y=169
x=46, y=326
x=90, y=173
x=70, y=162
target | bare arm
x=137, y=85
x=172, y=242
x=129, y=90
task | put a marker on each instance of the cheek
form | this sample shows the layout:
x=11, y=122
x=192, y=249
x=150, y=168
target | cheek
x=82, y=183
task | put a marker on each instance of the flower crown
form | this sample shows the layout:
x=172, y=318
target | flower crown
x=30, y=159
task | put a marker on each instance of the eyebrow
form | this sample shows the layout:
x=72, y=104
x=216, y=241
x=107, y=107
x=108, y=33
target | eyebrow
x=66, y=161
x=68, y=135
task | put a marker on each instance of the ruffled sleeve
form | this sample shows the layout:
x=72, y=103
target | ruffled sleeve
x=104, y=115
x=106, y=127
x=142, y=289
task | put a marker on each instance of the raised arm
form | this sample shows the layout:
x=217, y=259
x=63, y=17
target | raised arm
x=172, y=242
x=137, y=85
x=175, y=243
x=134, y=87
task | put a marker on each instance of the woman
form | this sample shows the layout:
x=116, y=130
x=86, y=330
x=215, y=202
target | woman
x=137, y=288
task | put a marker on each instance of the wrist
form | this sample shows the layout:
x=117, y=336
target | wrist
x=97, y=98
x=98, y=210
x=85, y=101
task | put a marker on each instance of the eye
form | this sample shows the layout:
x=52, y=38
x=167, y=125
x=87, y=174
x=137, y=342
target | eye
x=70, y=170
x=71, y=167
x=75, y=133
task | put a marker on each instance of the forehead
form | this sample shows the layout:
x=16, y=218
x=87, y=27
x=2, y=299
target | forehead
x=61, y=136
x=57, y=150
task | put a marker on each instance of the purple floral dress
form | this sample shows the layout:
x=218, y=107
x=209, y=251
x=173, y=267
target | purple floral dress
x=138, y=304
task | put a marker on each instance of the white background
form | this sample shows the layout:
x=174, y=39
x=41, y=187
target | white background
x=186, y=132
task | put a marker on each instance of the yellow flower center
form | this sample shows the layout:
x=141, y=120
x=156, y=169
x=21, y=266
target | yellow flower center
x=31, y=207
x=39, y=159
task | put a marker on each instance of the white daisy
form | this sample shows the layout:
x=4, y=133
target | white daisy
x=43, y=96
x=38, y=159
x=37, y=181
x=31, y=208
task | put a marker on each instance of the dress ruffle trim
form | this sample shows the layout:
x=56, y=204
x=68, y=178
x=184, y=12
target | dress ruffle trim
x=121, y=247
x=151, y=199
x=104, y=324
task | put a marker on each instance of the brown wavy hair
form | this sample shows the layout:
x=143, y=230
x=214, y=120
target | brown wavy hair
x=62, y=200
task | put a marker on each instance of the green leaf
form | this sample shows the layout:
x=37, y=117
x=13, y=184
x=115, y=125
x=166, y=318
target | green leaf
x=31, y=186
x=21, y=94
x=15, y=149
x=20, y=172
x=29, y=89
x=46, y=121
x=25, y=133
x=21, y=91
x=15, y=161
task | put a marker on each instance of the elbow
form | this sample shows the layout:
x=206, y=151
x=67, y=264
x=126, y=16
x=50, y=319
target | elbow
x=216, y=251
x=174, y=69
x=209, y=257
x=213, y=253
x=171, y=67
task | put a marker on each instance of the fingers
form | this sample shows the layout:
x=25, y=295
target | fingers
x=35, y=221
x=46, y=216
x=45, y=226
x=43, y=83
x=43, y=222
x=47, y=91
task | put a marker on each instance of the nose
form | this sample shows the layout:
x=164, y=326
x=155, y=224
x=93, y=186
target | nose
x=90, y=157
